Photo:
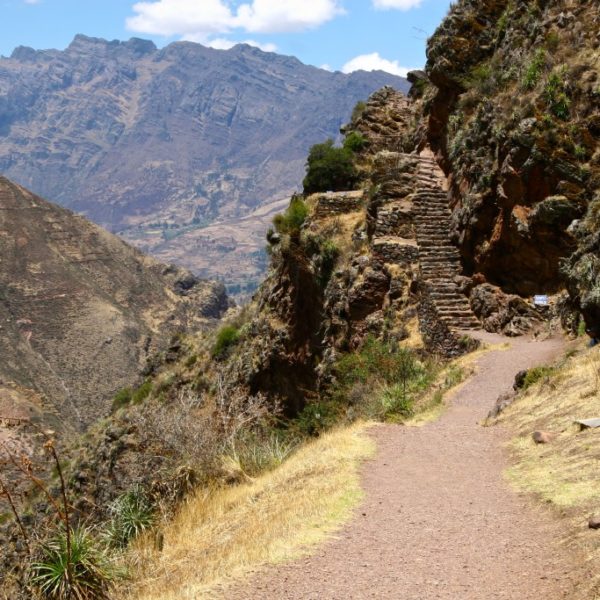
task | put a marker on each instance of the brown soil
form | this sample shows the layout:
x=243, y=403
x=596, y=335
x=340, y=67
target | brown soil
x=439, y=520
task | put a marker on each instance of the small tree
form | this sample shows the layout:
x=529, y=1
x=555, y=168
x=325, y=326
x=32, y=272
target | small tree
x=329, y=169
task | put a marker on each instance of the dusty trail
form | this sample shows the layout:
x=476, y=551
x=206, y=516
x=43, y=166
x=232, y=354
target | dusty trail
x=438, y=520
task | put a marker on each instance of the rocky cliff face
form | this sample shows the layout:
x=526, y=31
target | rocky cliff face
x=80, y=312
x=157, y=144
x=513, y=118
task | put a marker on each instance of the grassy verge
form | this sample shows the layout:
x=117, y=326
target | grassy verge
x=566, y=472
x=219, y=535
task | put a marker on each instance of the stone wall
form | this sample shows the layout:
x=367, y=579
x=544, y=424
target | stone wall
x=437, y=336
x=338, y=203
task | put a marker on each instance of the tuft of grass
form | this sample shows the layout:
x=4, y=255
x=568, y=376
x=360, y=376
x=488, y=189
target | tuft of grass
x=142, y=392
x=536, y=374
x=227, y=337
x=258, y=454
x=535, y=68
x=122, y=398
x=291, y=221
x=221, y=534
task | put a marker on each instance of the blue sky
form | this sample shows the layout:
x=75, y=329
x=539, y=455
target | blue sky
x=341, y=34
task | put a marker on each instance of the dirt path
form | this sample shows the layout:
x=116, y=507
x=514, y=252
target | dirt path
x=438, y=520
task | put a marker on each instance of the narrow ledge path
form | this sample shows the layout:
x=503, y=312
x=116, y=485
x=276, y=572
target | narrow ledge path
x=439, y=521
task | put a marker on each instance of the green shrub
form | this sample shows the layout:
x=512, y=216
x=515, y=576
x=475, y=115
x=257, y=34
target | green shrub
x=329, y=169
x=580, y=152
x=552, y=41
x=358, y=110
x=122, y=398
x=556, y=96
x=227, y=337
x=355, y=141
x=482, y=79
x=139, y=395
x=454, y=376
x=398, y=372
x=537, y=374
x=377, y=358
x=316, y=417
x=534, y=70
x=291, y=221
x=329, y=254
x=395, y=402
x=81, y=571
x=191, y=361
x=131, y=515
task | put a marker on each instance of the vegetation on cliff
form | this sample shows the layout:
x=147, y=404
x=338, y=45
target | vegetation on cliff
x=513, y=116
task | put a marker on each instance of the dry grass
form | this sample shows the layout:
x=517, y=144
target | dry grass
x=220, y=535
x=566, y=472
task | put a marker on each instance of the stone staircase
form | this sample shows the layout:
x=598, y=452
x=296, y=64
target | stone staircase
x=438, y=257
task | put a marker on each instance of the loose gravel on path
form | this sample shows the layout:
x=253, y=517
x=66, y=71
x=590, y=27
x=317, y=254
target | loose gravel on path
x=439, y=520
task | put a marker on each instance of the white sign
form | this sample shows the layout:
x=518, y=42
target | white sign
x=540, y=300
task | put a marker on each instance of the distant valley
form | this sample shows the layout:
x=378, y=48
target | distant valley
x=184, y=151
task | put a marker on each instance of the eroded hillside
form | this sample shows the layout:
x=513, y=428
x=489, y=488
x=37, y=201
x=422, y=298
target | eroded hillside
x=81, y=312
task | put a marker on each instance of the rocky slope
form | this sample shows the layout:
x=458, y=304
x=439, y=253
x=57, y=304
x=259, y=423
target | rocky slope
x=511, y=109
x=81, y=312
x=157, y=144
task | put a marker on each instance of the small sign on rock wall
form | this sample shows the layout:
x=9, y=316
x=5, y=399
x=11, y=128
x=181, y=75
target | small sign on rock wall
x=540, y=300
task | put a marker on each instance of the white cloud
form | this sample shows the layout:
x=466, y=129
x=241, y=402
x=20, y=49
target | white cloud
x=32, y=1
x=397, y=4
x=225, y=44
x=326, y=67
x=374, y=62
x=180, y=17
x=214, y=17
x=266, y=16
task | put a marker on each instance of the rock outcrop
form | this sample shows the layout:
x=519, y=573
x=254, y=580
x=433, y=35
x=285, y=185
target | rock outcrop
x=510, y=109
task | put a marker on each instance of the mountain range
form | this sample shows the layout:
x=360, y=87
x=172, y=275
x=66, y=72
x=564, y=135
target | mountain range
x=158, y=144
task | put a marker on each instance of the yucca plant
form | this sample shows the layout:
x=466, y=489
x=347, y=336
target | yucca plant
x=74, y=569
x=132, y=514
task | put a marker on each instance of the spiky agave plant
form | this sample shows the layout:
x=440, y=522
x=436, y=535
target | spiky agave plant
x=79, y=570
x=132, y=513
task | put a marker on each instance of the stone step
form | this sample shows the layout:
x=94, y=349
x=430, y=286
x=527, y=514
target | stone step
x=433, y=275
x=440, y=249
x=457, y=302
x=435, y=260
x=425, y=211
x=461, y=322
x=428, y=223
x=448, y=296
x=440, y=270
x=454, y=316
x=437, y=245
